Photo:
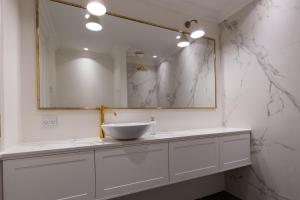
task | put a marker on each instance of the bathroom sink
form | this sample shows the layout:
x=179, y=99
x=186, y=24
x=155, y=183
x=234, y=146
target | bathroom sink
x=127, y=131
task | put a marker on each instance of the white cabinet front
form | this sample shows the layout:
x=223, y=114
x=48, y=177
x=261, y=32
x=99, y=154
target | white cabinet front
x=193, y=158
x=235, y=151
x=130, y=169
x=57, y=177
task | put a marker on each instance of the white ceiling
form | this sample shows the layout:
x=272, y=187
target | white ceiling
x=69, y=27
x=212, y=10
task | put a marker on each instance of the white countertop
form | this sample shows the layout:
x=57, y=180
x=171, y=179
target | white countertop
x=51, y=147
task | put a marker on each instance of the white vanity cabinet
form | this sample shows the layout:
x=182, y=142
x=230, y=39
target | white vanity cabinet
x=234, y=151
x=113, y=168
x=193, y=158
x=56, y=177
x=130, y=169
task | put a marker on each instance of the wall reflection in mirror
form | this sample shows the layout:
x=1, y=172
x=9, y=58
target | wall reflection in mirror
x=125, y=65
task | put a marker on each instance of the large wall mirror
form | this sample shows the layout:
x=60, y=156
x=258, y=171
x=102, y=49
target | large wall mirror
x=128, y=64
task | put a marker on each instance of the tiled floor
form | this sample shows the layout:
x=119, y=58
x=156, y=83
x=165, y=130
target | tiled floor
x=220, y=196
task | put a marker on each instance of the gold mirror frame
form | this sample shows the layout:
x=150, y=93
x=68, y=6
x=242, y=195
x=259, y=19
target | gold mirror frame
x=122, y=17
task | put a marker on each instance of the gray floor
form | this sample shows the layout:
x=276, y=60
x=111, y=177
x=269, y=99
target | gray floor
x=220, y=196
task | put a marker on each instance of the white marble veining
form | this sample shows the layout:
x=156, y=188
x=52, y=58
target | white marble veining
x=260, y=60
x=142, y=86
x=184, y=79
x=42, y=148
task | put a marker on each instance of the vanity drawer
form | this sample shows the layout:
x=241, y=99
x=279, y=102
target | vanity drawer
x=234, y=151
x=193, y=158
x=57, y=177
x=130, y=169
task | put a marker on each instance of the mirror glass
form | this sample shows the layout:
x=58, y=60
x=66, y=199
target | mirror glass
x=125, y=65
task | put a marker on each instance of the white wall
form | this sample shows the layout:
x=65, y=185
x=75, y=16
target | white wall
x=1, y=94
x=84, y=79
x=47, y=71
x=1, y=74
x=11, y=71
x=260, y=57
x=119, y=77
x=48, y=45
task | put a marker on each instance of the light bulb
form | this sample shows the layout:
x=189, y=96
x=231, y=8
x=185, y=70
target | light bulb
x=96, y=7
x=183, y=41
x=93, y=23
x=197, y=34
x=93, y=26
x=183, y=44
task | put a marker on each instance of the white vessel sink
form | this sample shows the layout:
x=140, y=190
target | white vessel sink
x=127, y=131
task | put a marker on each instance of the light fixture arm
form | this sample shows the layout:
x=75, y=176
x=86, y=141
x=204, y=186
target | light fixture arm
x=188, y=24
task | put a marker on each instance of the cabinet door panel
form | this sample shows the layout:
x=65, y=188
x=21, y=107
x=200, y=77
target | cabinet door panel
x=57, y=177
x=193, y=158
x=235, y=151
x=131, y=169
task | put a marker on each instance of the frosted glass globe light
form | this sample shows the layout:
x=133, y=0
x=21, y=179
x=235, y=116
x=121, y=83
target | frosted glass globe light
x=96, y=7
x=197, y=34
x=93, y=26
x=183, y=44
x=93, y=23
x=183, y=41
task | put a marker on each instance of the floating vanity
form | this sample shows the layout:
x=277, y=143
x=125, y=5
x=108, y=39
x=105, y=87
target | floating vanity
x=89, y=169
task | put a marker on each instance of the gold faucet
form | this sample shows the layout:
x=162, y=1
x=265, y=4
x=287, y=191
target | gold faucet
x=103, y=110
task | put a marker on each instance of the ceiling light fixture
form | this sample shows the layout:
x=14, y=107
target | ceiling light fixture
x=96, y=7
x=183, y=41
x=154, y=56
x=87, y=15
x=86, y=49
x=197, y=34
x=197, y=31
x=93, y=23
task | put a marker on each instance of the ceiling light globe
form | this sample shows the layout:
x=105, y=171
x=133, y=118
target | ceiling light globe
x=93, y=26
x=93, y=23
x=183, y=44
x=197, y=34
x=96, y=7
x=183, y=41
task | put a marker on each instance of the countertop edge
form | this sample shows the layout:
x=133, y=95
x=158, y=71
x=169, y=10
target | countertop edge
x=110, y=143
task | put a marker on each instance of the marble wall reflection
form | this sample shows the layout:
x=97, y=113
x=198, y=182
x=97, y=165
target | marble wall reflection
x=184, y=79
x=260, y=60
x=142, y=85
